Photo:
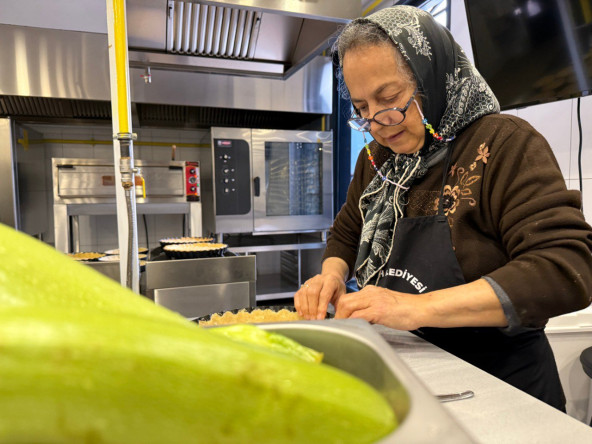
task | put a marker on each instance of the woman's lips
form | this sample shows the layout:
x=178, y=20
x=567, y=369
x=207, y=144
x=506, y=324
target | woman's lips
x=395, y=138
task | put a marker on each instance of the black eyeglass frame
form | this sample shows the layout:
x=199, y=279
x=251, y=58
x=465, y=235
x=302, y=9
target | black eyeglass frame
x=368, y=121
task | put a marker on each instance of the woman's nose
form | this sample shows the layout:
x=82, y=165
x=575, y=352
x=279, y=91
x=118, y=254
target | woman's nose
x=374, y=126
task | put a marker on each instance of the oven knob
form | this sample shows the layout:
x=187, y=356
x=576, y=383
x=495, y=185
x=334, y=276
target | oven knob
x=192, y=189
x=192, y=180
x=225, y=170
x=226, y=190
x=192, y=171
x=225, y=180
x=226, y=157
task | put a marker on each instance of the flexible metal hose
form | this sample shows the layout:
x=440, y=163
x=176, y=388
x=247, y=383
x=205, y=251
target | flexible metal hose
x=131, y=223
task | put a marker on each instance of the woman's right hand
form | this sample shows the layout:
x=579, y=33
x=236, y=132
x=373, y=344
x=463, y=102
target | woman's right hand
x=313, y=298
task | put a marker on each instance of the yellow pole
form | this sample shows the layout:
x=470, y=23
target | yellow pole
x=123, y=148
x=121, y=63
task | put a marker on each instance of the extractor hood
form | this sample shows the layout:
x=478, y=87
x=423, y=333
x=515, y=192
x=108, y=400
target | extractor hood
x=257, y=57
x=268, y=38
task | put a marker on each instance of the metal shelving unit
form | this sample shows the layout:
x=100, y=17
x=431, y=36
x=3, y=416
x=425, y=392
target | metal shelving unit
x=283, y=267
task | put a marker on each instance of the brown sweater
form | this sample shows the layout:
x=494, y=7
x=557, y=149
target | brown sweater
x=512, y=218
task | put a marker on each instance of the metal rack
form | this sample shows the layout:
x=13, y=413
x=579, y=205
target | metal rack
x=295, y=263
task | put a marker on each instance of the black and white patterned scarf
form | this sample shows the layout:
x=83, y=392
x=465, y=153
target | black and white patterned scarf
x=453, y=95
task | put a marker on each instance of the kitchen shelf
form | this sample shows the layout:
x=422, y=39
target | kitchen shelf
x=284, y=262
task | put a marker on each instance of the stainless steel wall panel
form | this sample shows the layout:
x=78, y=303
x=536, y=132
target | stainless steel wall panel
x=49, y=63
x=309, y=90
x=146, y=23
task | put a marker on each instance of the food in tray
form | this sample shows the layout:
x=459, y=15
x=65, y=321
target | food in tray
x=251, y=317
x=184, y=240
x=195, y=250
x=116, y=251
x=86, y=256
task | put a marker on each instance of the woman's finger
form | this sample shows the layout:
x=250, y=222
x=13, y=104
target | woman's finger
x=331, y=289
x=313, y=288
x=349, y=303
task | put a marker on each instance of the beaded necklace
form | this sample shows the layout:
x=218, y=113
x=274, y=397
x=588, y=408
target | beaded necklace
x=431, y=130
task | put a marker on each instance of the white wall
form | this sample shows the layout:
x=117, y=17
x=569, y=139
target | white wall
x=557, y=121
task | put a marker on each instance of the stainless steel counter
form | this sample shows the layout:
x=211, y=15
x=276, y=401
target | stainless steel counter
x=498, y=413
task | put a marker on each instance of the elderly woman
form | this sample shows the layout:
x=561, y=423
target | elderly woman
x=458, y=224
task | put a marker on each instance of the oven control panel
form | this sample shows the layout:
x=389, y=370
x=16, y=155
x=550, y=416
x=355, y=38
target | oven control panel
x=192, y=190
x=232, y=177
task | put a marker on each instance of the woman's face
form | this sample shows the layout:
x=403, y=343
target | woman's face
x=374, y=83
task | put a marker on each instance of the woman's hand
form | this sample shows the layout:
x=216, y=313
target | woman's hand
x=468, y=305
x=313, y=298
x=379, y=305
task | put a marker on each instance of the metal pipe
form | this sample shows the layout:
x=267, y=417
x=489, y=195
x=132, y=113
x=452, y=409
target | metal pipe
x=203, y=15
x=194, y=26
x=178, y=25
x=225, y=28
x=232, y=33
x=186, y=31
x=132, y=227
x=121, y=62
x=239, y=33
x=170, y=25
x=218, y=30
x=210, y=29
x=247, y=35
x=254, y=35
x=123, y=152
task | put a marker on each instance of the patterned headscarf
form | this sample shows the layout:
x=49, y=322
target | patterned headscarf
x=453, y=95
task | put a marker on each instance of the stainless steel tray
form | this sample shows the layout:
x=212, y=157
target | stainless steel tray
x=353, y=346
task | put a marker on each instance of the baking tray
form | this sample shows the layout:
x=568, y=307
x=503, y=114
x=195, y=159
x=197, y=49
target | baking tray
x=353, y=346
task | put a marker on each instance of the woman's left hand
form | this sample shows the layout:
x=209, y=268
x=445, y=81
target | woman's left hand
x=379, y=305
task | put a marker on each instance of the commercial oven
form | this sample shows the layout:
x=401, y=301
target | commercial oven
x=268, y=181
x=87, y=187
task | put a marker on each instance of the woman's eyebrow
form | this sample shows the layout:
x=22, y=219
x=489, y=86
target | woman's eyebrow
x=376, y=92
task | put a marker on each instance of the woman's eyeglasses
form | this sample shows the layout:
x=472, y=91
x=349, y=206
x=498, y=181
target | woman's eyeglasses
x=385, y=117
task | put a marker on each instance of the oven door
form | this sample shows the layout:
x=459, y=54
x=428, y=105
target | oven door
x=292, y=173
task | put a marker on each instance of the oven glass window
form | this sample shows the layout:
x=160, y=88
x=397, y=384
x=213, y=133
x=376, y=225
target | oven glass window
x=294, y=178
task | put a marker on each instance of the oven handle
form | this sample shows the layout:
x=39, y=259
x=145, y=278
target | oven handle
x=257, y=185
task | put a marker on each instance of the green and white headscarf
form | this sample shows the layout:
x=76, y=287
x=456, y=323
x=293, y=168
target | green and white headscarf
x=453, y=96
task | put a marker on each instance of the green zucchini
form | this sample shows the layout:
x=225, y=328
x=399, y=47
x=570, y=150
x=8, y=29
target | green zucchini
x=33, y=273
x=75, y=376
x=84, y=360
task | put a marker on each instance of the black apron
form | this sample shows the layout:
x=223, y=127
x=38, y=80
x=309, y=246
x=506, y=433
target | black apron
x=423, y=260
